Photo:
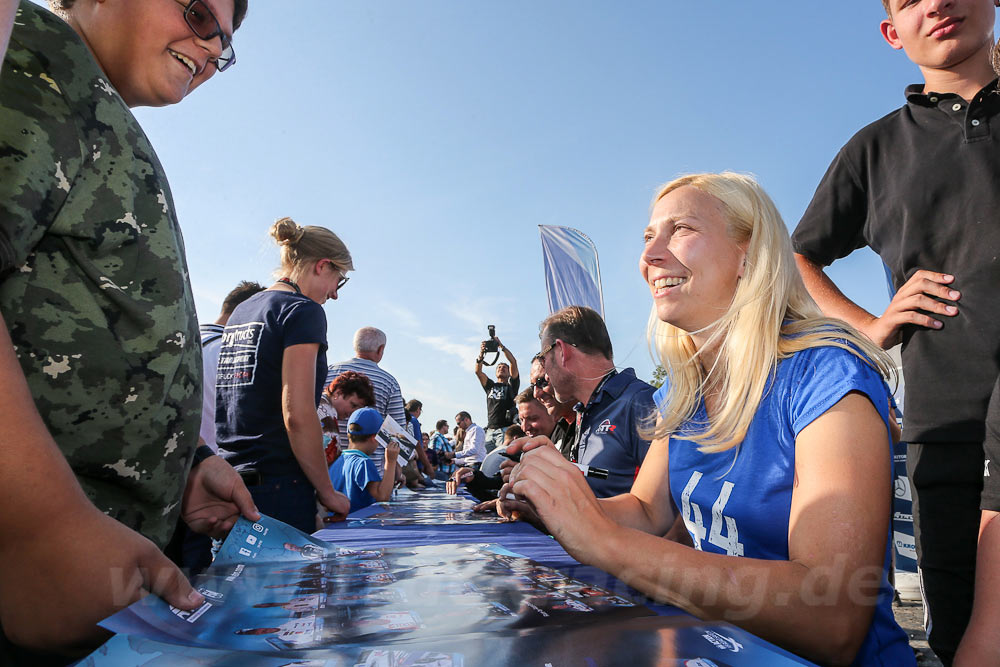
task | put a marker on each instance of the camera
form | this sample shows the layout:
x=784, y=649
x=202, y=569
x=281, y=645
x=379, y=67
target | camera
x=491, y=342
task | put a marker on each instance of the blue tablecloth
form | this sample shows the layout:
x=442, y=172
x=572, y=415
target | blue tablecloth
x=518, y=537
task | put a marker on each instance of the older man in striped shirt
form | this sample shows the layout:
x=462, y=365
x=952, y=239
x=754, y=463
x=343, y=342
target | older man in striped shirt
x=369, y=346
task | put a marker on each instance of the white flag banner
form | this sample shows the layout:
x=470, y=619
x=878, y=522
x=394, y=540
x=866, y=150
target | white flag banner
x=572, y=273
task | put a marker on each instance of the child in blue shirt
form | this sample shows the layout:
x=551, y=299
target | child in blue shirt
x=354, y=473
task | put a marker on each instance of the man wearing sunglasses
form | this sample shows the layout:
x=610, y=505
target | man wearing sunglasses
x=99, y=357
x=564, y=434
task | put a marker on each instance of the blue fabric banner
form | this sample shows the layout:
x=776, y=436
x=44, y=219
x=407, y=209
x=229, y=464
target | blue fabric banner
x=572, y=274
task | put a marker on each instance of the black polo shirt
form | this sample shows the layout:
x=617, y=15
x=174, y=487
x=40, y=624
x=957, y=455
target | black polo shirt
x=921, y=187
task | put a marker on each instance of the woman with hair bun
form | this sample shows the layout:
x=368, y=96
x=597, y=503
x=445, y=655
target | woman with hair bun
x=272, y=367
x=771, y=441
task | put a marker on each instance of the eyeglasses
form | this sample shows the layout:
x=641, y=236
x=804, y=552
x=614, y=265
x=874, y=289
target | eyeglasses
x=343, y=279
x=203, y=23
x=540, y=383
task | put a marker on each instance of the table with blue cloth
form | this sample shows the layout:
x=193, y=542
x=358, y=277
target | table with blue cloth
x=432, y=517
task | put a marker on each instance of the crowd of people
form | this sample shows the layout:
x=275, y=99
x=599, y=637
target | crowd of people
x=753, y=486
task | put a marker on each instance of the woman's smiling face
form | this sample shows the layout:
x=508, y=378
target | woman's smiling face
x=689, y=261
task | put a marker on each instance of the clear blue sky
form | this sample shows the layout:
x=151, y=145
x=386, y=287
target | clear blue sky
x=434, y=136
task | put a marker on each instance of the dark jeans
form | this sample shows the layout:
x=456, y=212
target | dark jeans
x=946, y=481
x=289, y=498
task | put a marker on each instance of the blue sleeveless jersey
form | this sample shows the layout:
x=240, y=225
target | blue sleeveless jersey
x=738, y=502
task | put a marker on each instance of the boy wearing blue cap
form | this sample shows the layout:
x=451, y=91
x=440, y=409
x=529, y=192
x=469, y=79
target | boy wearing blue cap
x=354, y=473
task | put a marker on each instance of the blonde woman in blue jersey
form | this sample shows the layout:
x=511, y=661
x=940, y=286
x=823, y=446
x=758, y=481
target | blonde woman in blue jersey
x=771, y=441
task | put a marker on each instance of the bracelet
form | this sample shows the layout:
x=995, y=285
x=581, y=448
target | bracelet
x=202, y=453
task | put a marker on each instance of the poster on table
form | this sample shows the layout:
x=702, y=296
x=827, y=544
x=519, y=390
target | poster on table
x=639, y=642
x=422, y=509
x=275, y=589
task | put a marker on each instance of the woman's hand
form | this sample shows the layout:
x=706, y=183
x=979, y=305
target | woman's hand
x=335, y=501
x=554, y=490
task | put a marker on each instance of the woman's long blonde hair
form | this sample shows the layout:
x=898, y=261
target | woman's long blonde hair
x=771, y=317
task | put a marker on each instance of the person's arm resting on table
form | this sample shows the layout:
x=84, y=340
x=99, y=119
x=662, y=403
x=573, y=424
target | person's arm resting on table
x=819, y=603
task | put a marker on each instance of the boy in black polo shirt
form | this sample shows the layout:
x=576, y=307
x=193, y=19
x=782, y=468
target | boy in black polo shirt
x=919, y=187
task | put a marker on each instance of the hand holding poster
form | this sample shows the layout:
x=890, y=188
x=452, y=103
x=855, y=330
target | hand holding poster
x=274, y=588
x=392, y=431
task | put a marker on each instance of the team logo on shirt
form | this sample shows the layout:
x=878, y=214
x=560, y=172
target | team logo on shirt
x=606, y=427
x=238, y=354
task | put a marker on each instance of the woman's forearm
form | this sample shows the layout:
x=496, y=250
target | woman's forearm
x=306, y=438
x=822, y=613
x=628, y=511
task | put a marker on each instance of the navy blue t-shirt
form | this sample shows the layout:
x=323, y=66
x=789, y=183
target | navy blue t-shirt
x=248, y=418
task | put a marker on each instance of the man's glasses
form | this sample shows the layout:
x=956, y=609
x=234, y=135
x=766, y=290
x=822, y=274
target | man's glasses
x=203, y=23
x=540, y=383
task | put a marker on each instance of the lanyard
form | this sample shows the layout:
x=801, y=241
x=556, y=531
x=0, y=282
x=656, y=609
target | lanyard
x=581, y=409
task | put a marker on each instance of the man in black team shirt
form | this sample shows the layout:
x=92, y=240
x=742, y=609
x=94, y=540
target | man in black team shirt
x=499, y=395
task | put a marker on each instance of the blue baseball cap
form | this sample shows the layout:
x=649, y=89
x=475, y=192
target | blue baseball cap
x=364, y=421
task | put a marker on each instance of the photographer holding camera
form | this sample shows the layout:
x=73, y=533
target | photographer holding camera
x=500, y=408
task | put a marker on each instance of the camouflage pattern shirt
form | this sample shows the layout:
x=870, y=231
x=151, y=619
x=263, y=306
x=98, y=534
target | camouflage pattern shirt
x=93, y=279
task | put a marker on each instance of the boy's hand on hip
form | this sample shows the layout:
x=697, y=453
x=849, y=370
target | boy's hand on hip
x=913, y=304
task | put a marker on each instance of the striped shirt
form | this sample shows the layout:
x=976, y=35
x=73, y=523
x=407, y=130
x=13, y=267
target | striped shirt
x=388, y=397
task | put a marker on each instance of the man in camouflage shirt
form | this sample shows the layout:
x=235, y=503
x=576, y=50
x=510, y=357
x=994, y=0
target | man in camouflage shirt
x=95, y=297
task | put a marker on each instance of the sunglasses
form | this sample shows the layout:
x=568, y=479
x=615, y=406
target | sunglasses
x=540, y=383
x=203, y=23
